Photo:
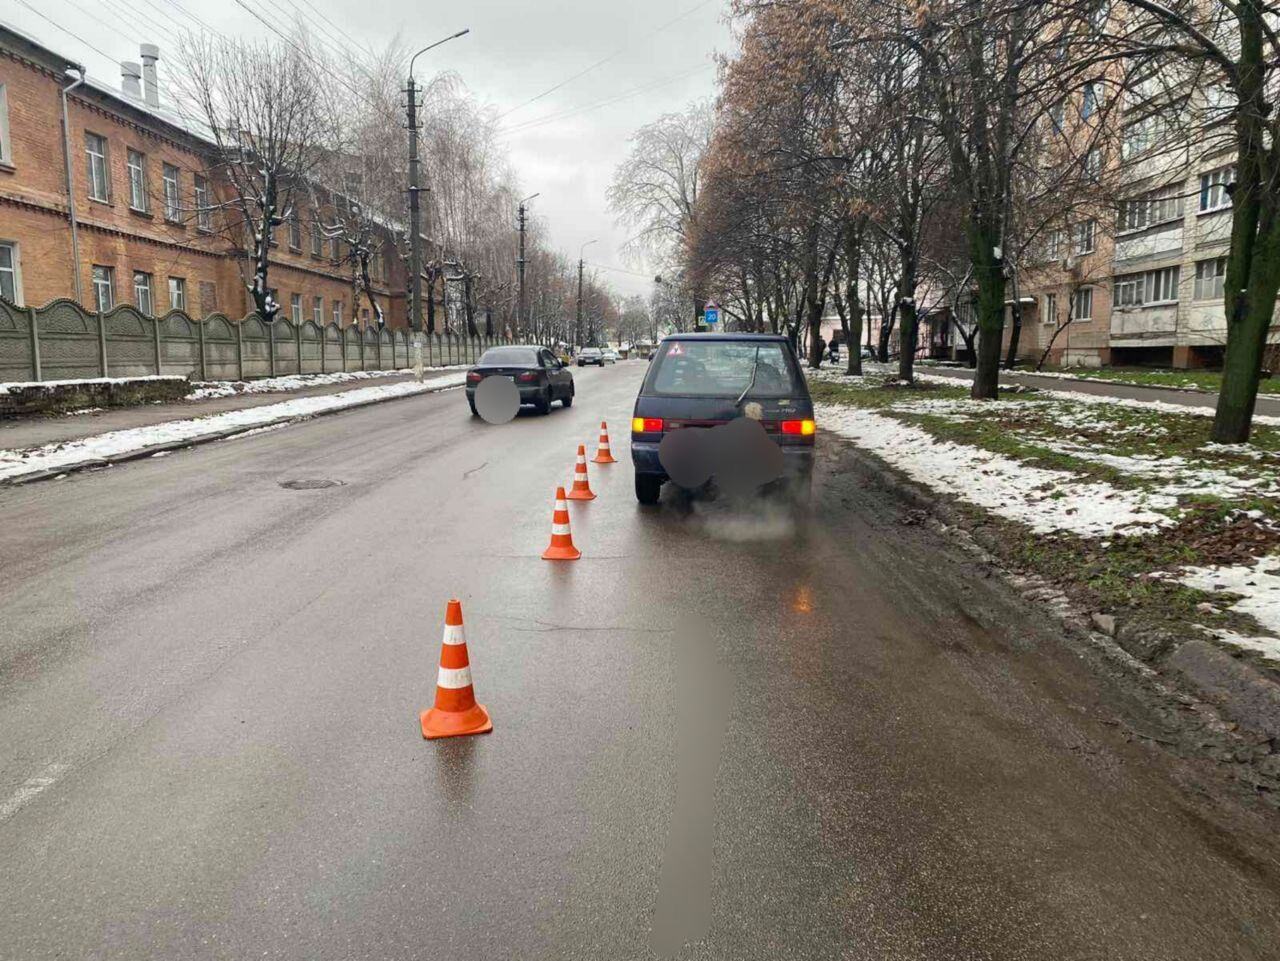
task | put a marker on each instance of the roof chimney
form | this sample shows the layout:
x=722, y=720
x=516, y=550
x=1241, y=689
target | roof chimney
x=131, y=79
x=151, y=90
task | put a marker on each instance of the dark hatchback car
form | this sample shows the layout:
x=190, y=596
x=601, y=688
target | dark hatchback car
x=704, y=381
x=538, y=374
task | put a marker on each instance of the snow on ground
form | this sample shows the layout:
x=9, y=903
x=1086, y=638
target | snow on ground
x=204, y=390
x=16, y=463
x=1044, y=500
x=1259, y=588
x=26, y=384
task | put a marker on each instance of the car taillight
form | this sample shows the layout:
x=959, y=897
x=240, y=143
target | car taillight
x=646, y=425
x=474, y=377
x=798, y=427
x=527, y=375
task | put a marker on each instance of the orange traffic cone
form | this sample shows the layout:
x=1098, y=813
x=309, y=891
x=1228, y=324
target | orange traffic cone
x=456, y=711
x=581, y=488
x=561, y=547
x=603, y=454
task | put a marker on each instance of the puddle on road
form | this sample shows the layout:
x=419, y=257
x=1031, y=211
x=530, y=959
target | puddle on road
x=310, y=484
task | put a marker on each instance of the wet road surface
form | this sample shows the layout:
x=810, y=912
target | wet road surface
x=831, y=738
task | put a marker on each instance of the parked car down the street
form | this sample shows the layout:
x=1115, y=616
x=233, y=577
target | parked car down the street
x=610, y=355
x=590, y=355
x=538, y=374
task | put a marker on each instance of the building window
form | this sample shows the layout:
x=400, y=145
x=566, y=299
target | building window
x=335, y=252
x=295, y=232
x=1058, y=115
x=10, y=278
x=142, y=292
x=104, y=296
x=1092, y=164
x=317, y=311
x=1213, y=189
x=204, y=216
x=1082, y=304
x=172, y=193
x=1141, y=136
x=1089, y=100
x=137, y=165
x=1083, y=237
x=317, y=237
x=95, y=149
x=177, y=293
x=295, y=308
x=1050, y=309
x=1146, y=289
x=6, y=145
x=1209, y=278
x=1151, y=208
x=337, y=312
x=1056, y=245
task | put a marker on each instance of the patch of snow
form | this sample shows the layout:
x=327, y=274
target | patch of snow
x=82, y=381
x=1257, y=584
x=1045, y=500
x=205, y=390
x=84, y=410
x=15, y=463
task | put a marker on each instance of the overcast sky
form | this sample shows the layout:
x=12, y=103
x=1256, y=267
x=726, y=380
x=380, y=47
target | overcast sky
x=661, y=57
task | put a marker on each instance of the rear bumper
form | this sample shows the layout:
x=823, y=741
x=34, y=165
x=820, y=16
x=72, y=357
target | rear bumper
x=528, y=394
x=797, y=461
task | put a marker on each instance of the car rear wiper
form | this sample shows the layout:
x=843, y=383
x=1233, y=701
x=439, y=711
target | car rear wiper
x=752, y=382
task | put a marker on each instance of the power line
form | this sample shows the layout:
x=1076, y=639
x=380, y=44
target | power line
x=74, y=36
x=604, y=60
x=573, y=112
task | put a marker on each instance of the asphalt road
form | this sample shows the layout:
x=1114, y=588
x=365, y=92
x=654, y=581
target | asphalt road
x=831, y=738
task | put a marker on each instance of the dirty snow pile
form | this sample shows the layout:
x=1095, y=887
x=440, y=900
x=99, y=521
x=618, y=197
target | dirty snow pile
x=203, y=390
x=15, y=463
x=83, y=381
x=1044, y=500
x=1257, y=584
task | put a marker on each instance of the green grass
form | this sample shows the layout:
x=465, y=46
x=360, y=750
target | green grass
x=1210, y=380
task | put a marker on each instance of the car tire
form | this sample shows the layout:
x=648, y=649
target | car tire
x=582, y=363
x=648, y=488
x=567, y=399
x=472, y=405
x=543, y=404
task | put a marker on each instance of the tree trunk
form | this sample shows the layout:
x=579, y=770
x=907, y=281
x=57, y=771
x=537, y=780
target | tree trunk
x=1015, y=332
x=907, y=322
x=989, y=275
x=1246, y=343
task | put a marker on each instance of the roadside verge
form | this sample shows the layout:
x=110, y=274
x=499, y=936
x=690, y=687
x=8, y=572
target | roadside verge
x=1121, y=513
x=23, y=466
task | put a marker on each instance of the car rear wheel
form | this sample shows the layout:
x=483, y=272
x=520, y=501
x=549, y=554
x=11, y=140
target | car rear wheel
x=543, y=404
x=648, y=488
x=472, y=404
x=567, y=399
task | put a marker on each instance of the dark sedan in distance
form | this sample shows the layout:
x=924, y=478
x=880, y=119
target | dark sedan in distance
x=537, y=373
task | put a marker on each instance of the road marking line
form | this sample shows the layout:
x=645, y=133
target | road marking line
x=30, y=788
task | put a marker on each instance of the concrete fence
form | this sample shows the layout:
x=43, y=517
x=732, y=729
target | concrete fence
x=63, y=341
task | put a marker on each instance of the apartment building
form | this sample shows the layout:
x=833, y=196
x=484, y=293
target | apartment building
x=107, y=196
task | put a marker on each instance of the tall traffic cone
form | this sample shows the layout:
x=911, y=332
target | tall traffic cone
x=456, y=711
x=561, y=547
x=603, y=454
x=581, y=487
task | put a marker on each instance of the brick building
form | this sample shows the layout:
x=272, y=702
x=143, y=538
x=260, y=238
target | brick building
x=141, y=222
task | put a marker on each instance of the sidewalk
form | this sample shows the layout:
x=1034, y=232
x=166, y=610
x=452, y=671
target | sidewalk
x=50, y=447
x=1267, y=404
x=28, y=432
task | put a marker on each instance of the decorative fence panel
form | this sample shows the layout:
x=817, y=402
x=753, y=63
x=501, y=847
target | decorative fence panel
x=64, y=341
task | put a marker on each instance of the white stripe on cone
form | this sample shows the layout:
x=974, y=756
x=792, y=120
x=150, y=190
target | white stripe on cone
x=455, y=677
x=454, y=634
x=559, y=528
x=562, y=506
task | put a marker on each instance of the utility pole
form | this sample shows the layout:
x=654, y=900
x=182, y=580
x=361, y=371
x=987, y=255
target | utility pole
x=577, y=329
x=520, y=318
x=415, y=225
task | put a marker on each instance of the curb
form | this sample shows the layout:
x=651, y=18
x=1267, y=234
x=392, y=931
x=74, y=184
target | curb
x=144, y=452
x=1239, y=691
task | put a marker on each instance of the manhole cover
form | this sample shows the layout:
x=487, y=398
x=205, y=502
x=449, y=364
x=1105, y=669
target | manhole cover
x=311, y=484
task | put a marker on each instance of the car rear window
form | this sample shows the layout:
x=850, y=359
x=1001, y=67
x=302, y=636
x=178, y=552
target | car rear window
x=722, y=368
x=509, y=357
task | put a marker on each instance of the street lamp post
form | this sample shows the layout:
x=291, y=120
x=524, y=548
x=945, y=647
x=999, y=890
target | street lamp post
x=577, y=328
x=415, y=242
x=520, y=318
